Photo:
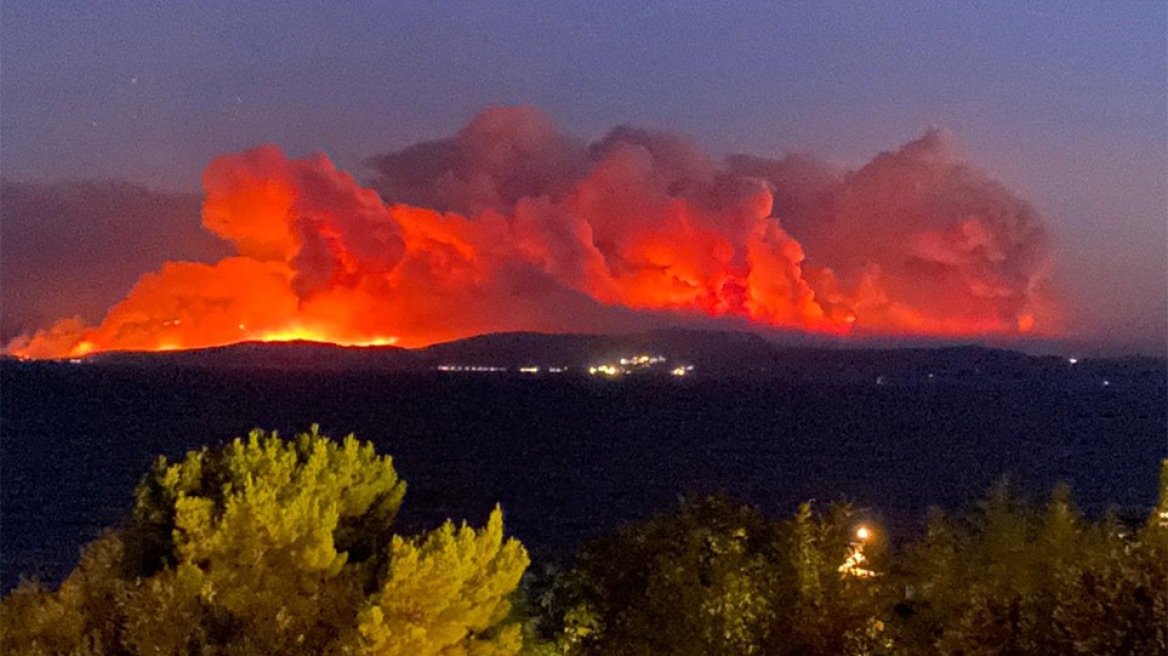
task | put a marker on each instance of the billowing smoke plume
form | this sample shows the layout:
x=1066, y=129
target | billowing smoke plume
x=76, y=248
x=511, y=225
x=916, y=240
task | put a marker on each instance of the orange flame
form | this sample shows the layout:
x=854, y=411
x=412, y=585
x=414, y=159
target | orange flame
x=319, y=257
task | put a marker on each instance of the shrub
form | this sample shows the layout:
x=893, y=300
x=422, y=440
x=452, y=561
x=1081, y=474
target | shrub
x=274, y=547
x=714, y=578
x=1009, y=577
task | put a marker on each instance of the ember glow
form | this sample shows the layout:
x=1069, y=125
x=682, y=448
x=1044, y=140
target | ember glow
x=511, y=225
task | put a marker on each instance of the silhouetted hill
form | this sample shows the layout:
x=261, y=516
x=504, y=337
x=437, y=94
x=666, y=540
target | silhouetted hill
x=710, y=350
x=295, y=355
x=713, y=353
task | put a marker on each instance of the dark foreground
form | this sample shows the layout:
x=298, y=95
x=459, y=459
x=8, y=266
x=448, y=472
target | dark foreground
x=572, y=457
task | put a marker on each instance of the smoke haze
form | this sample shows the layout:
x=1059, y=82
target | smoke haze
x=76, y=248
x=513, y=225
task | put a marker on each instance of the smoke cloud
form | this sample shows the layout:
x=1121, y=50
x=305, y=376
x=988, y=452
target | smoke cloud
x=76, y=248
x=513, y=225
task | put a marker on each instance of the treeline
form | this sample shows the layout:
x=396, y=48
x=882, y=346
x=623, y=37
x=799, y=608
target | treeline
x=269, y=546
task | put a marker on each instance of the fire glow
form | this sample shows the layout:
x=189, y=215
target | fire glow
x=511, y=225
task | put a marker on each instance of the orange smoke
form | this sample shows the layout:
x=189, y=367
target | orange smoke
x=535, y=231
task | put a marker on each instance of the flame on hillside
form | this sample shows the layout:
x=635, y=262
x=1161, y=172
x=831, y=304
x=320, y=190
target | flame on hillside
x=511, y=225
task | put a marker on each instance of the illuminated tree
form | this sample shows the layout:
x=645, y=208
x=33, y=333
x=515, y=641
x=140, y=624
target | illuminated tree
x=1009, y=580
x=839, y=600
x=267, y=547
x=274, y=547
x=447, y=594
x=715, y=578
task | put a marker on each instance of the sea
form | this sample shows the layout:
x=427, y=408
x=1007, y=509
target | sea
x=571, y=457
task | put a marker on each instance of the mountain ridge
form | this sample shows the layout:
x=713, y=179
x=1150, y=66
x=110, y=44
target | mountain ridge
x=712, y=353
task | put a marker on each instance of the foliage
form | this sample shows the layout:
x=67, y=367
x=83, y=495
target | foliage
x=274, y=547
x=714, y=578
x=442, y=587
x=1008, y=578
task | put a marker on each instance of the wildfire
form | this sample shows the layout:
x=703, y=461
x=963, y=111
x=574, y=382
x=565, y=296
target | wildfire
x=293, y=334
x=535, y=232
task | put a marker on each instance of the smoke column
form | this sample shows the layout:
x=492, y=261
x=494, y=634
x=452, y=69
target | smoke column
x=512, y=225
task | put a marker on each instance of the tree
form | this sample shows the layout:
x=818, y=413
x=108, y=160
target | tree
x=714, y=578
x=1009, y=579
x=447, y=594
x=267, y=546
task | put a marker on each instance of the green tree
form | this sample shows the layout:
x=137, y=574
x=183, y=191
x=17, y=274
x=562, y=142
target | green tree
x=1012, y=580
x=265, y=547
x=714, y=578
x=831, y=610
x=447, y=594
x=1009, y=577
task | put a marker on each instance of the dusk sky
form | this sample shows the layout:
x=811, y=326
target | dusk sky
x=1065, y=103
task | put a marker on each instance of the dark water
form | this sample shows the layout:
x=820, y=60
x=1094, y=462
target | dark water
x=569, y=457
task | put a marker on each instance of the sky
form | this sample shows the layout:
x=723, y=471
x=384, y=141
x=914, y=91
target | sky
x=1066, y=103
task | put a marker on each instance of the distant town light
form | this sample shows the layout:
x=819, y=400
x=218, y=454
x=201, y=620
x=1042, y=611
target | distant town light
x=470, y=368
x=606, y=369
x=1073, y=360
x=628, y=365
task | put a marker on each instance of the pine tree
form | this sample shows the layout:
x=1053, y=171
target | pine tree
x=273, y=547
x=447, y=594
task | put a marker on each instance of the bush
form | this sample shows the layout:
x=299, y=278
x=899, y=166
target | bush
x=1011, y=580
x=275, y=547
x=715, y=577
